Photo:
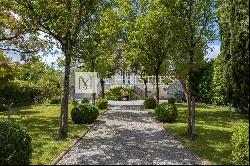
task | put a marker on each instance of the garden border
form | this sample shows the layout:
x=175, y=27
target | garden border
x=60, y=156
x=153, y=116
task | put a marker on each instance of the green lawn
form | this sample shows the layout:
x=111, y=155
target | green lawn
x=214, y=129
x=42, y=123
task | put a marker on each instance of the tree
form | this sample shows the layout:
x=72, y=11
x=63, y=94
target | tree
x=15, y=36
x=234, y=32
x=7, y=70
x=203, y=87
x=153, y=38
x=139, y=67
x=61, y=20
x=194, y=28
x=44, y=77
x=218, y=85
x=99, y=42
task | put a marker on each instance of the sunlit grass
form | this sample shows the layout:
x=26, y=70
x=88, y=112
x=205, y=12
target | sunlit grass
x=214, y=129
x=42, y=123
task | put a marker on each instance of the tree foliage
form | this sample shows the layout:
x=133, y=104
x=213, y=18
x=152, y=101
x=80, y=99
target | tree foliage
x=152, y=40
x=194, y=29
x=28, y=83
x=62, y=21
x=234, y=31
x=218, y=86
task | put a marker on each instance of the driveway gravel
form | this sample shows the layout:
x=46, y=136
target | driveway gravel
x=127, y=135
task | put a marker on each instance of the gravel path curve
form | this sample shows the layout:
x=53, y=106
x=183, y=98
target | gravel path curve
x=128, y=135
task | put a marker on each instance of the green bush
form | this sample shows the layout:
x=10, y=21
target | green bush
x=118, y=92
x=171, y=100
x=15, y=144
x=150, y=103
x=114, y=93
x=84, y=113
x=20, y=93
x=102, y=104
x=85, y=100
x=77, y=115
x=55, y=100
x=91, y=113
x=166, y=112
x=240, y=145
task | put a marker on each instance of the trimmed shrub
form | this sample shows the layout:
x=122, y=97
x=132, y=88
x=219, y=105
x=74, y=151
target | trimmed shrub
x=90, y=113
x=55, y=100
x=77, y=115
x=85, y=100
x=102, y=104
x=15, y=144
x=166, y=112
x=150, y=103
x=240, y=145
x=171, y=100
x=84, y=113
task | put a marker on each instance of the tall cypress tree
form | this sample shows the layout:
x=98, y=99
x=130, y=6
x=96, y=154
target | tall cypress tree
x=234, y=23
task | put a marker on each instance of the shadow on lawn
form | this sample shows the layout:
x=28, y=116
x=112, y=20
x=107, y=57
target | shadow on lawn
x=210, y=143
x=40, y=125
x=24, y=110
x=197, y=105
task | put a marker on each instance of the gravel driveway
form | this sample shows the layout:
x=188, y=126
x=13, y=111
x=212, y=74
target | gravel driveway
x=127, y=135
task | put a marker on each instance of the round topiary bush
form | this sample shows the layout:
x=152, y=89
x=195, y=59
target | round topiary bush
x=77, y=115
x=84, y=113
x=102, y=104
x=90, y=113
x=166, y=112
x=85, y=100
x=171, y=100
x=240, y=145
x=150, y=103
x=55, y=100
x=15, y=144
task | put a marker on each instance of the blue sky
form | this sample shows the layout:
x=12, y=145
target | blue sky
x=216, y=49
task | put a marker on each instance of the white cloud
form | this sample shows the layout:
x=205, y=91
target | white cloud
x=213, y=51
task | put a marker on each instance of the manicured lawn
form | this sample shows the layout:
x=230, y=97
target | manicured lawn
x=214, y=129
x=42, y=123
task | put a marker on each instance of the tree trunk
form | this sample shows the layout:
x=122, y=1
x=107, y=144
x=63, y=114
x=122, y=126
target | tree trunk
x=183, y=83
x=93, y=98
x=103, y=88
x=230, y=110
x=186, y=96
x=145, y=88
x=63, y=124
x=189, y=127
x=157, y=88
x=9, y=110
x=193, y=118
x=74, y=94
x=191, y=101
